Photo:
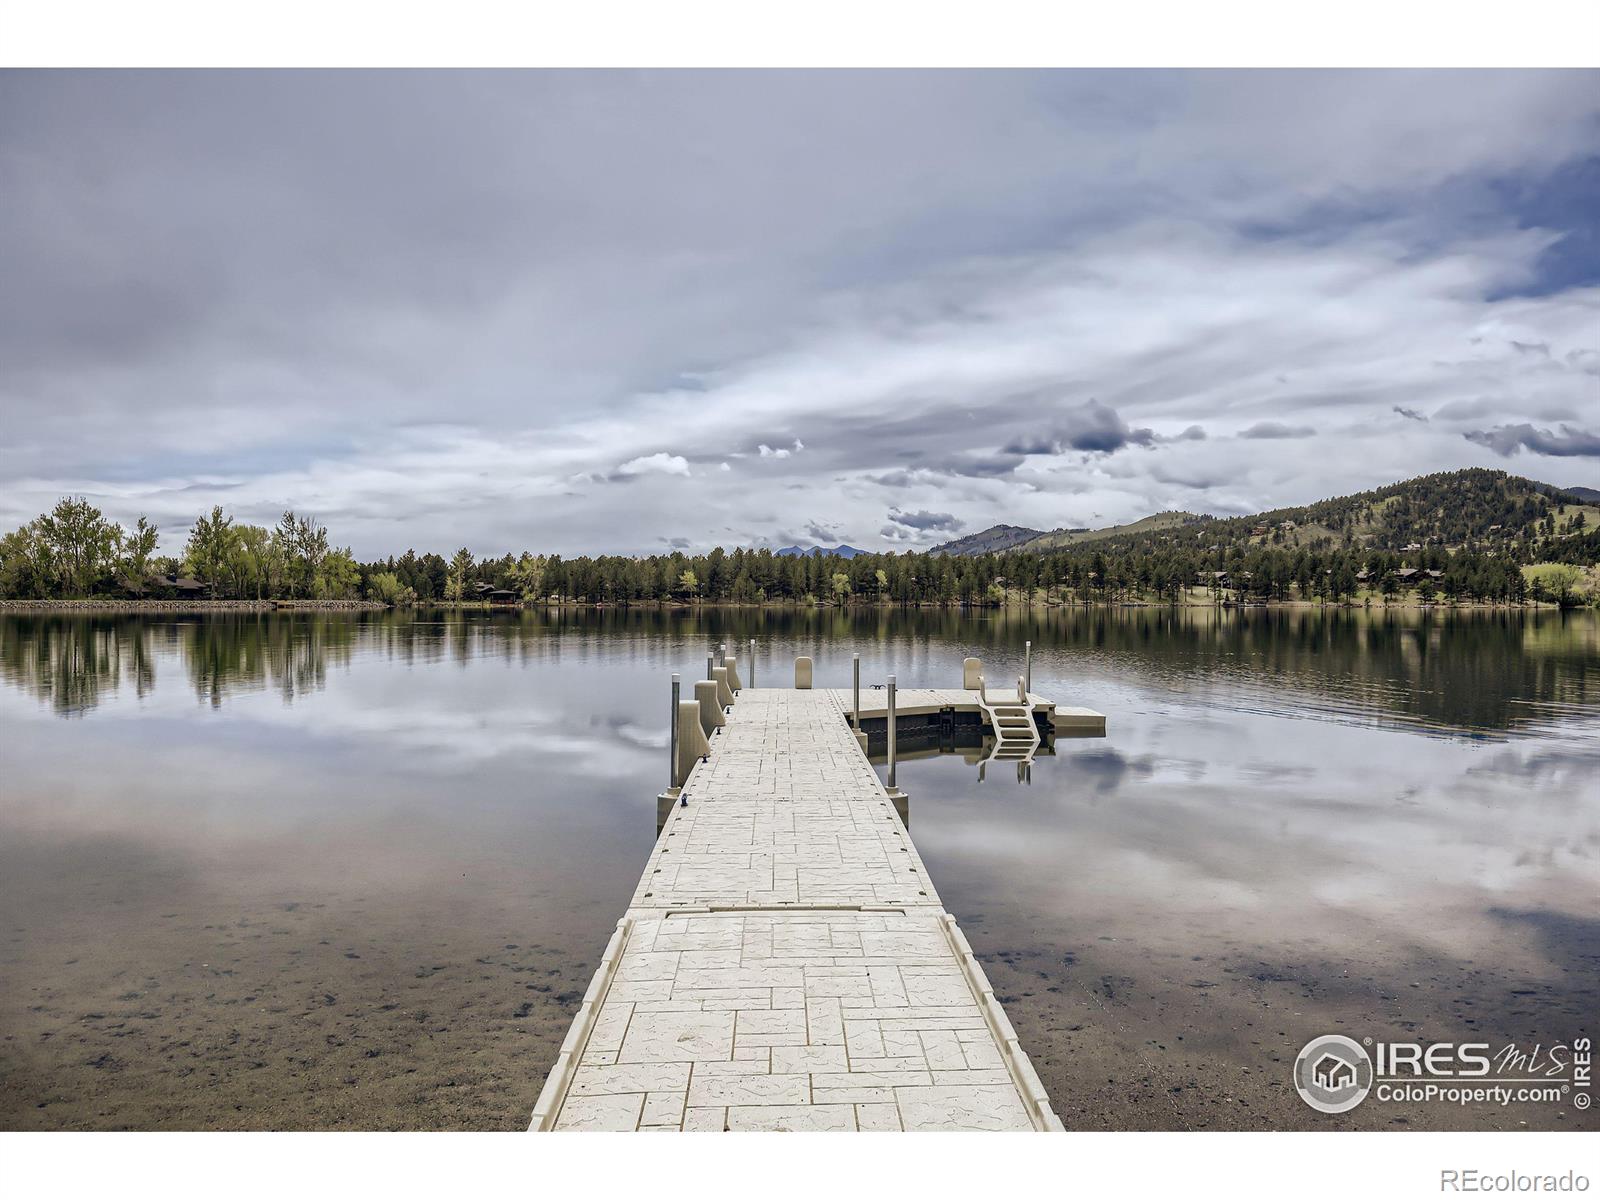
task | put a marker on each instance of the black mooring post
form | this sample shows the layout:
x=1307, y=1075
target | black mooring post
x=672, y=724
x=891, y=733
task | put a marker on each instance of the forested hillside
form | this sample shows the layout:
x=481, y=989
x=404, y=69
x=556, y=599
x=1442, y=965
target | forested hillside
x=1474, y=507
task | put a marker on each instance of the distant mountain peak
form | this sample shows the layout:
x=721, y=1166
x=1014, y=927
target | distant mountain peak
x=988, y=541
x=1588, y=495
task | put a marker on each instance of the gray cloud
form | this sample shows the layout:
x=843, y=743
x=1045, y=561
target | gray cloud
x=981, y=466
x=1277, y=429
x=1092, y=427
x=894, y=479
x=924, y=520
x=1409, y=414
x=1196, y=479
x=1507, y=440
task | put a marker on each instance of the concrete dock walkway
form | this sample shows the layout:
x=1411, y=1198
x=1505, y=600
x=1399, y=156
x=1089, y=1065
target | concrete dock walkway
x=786, y=963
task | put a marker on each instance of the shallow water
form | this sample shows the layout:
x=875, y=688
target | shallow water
x=354, y=871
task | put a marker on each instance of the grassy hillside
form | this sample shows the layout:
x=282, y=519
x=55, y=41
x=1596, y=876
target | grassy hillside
x=988, y=541
x=1156, y=523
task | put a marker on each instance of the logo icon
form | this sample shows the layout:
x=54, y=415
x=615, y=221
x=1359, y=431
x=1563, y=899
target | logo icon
x=1333, y=1074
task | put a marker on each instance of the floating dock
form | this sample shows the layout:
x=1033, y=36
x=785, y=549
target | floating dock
x=785, y=962
x=919, y=702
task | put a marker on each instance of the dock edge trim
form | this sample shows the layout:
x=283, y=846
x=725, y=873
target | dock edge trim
x=1018, y=1064
x=554, y=1092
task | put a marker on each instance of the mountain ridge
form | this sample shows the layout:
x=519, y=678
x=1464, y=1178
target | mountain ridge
x=1447, y=507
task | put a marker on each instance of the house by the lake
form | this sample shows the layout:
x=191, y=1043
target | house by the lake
x=497, y=597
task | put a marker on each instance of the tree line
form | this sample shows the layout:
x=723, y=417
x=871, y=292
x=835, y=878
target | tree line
x=74, y=551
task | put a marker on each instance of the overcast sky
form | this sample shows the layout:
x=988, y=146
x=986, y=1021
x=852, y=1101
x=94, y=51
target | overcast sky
x=583, y=312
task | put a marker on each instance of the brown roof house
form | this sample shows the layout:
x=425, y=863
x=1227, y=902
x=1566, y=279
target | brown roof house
x=497, y=596
x=165, y=586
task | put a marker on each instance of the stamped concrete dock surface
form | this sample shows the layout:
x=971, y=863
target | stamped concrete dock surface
x=786, y=964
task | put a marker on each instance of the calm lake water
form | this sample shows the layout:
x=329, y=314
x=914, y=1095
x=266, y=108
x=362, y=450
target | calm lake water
x=356, y=871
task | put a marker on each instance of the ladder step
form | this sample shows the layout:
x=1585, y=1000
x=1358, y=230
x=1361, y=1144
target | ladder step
x=1016, y=737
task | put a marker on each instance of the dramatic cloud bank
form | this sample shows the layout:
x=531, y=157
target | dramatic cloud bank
x=621, y=311
x=1509, y=439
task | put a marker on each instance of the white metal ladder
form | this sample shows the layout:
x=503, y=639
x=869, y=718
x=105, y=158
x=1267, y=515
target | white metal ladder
x=1016, y=736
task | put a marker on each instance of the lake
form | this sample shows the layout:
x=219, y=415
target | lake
x=355, y=871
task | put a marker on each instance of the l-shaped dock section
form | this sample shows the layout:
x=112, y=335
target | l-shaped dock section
x=786, y=963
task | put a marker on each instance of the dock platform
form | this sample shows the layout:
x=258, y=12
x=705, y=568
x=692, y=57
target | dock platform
x=786, y=963
x=915, y=702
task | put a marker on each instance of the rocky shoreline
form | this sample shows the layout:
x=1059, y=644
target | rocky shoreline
x=189, y=606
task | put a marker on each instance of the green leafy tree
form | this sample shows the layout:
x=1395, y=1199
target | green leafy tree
x=302, y=544
x=83, y=545
x=210, y=547
x=138, y=548
x=840, y=587
x=689, y=583
x=384, y=587
x=337, y=576
x=250, y=562
x=455, y=587
x=27, y=570
x=285, y=548
x=527, y=576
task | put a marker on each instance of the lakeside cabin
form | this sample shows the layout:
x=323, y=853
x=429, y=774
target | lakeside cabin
x=172, y=585
x=497, y=597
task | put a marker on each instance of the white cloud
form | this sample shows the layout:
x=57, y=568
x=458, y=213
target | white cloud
x=659, y=463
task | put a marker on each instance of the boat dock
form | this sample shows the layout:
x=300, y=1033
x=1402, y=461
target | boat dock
x=785, y=962
x=915, y=702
